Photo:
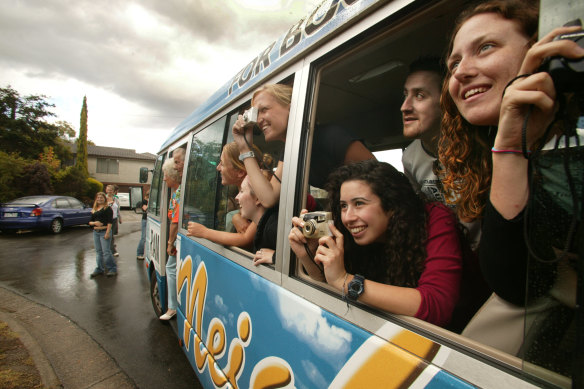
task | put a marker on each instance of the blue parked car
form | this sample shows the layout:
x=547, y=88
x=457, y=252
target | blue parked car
x=43, y=212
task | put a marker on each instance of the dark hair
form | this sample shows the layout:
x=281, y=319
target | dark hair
x=428, y=64
x=403, y=254
x=463, y=148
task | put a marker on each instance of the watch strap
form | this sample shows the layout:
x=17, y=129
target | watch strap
x=249, y=154
x=356, y=287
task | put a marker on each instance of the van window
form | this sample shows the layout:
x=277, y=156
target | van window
x=201, y=181
x=157, y=182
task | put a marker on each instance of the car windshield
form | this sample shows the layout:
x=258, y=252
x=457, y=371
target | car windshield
x=29, y=200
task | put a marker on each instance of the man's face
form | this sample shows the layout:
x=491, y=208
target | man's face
x=421, y=106
x=109, y=189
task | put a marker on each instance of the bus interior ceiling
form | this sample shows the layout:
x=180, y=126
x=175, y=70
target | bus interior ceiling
x=362, y=89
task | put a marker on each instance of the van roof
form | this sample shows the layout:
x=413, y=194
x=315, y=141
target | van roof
x=315, y=28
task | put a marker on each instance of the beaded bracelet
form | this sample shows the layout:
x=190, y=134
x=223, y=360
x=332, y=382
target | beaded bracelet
x=344, y=281
x=494, y=150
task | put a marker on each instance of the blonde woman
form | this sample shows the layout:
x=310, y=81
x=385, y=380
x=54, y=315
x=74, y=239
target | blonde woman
x=101, y=222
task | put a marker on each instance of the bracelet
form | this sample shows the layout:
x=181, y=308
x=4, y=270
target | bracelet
x=169, y=242
x=505, y=151
x=344, y=281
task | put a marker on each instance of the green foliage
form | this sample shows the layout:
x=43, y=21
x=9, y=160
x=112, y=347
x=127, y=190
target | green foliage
x=36, y=179
x=94, y=187
x=11, y=168
x=24, y=127
x=71, y=181
x=81, y=160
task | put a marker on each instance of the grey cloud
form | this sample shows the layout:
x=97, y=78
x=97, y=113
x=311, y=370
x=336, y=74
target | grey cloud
x=93, y=43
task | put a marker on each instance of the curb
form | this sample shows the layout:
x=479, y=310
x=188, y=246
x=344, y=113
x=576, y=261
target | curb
x=49, y=378
x=65, y=355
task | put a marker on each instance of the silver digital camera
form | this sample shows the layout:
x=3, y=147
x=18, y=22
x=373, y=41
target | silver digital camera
x=316, y=224
x=250, y=116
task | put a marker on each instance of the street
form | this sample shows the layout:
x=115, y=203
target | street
x=116, y=312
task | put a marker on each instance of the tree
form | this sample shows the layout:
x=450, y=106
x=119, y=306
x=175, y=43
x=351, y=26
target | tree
x=81, y=161
x=36, y=179
x=24, y=125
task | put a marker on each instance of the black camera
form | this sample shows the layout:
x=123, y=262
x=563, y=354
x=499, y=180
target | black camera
x=567, y=74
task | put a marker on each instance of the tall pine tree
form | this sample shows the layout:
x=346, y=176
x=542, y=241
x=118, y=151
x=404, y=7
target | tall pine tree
x=81, y=162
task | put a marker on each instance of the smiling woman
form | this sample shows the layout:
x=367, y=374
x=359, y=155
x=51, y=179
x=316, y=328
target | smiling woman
x=402, y=263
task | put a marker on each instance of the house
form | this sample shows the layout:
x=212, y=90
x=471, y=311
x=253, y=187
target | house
x=113, y=165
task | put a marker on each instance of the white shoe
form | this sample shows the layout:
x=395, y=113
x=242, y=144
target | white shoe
x=168, y=315
x=116, y=254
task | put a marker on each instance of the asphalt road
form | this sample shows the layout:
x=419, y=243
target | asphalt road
x=54, y=270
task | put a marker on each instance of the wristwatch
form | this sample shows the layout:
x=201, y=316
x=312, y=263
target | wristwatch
x=356, y=287
x=243, y=156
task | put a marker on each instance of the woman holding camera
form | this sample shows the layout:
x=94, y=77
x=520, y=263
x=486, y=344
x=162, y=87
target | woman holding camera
x=388, y=248
x=499, y=110
x=333, y=145
x=493, y=54
x=273, y=106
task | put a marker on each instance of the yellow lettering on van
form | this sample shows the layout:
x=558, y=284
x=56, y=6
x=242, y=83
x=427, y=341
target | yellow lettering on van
x=195, y=296
x=271, y=372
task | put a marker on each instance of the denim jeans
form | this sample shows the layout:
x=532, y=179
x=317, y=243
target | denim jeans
x=114, y=231
x=103, y=252
x=140, y=250
x=171, y=281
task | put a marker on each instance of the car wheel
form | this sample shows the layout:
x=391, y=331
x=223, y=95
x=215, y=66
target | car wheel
x=56, y=226
x=155, y=295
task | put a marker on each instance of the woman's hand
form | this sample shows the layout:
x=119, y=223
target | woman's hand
x=107, y=235
x=263, y=256
x=196, y=230
x=241, y=225
x=331, y=254
x=96, y=223
x=298, y=240
x=537, y=90
x=240, y=130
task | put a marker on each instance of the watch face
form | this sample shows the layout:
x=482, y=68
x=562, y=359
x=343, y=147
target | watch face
x=355, y=288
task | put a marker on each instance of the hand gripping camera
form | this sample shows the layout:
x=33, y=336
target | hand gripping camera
x=250, y=116
x=567, y=74
x=316, y=224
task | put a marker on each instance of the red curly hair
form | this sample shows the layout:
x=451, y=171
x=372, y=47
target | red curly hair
x=464, y=149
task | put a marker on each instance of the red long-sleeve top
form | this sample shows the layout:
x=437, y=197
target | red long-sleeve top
x=439, y=283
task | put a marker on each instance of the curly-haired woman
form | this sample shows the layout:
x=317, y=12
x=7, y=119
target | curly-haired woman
x=403, y=255
x=485, y=98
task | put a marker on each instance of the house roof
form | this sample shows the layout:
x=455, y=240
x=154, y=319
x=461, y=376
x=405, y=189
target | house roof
x=114, y=152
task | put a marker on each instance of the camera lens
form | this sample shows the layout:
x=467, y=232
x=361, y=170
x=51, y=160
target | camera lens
x=309, y=228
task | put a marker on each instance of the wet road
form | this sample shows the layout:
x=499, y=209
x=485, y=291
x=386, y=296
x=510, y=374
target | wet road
x=54, y=270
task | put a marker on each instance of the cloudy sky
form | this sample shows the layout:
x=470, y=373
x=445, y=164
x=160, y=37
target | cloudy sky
x=143, y=65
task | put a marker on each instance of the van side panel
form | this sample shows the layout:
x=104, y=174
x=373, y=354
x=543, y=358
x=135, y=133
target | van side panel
x=237, y=327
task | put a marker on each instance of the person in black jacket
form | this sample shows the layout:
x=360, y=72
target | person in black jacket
x=140, y=252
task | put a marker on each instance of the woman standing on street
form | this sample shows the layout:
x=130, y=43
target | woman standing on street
x=101, y=222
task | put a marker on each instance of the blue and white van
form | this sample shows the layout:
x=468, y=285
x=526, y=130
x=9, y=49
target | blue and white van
x=272, y=326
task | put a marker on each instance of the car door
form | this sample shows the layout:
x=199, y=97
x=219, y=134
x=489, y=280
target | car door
x=78, y=213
